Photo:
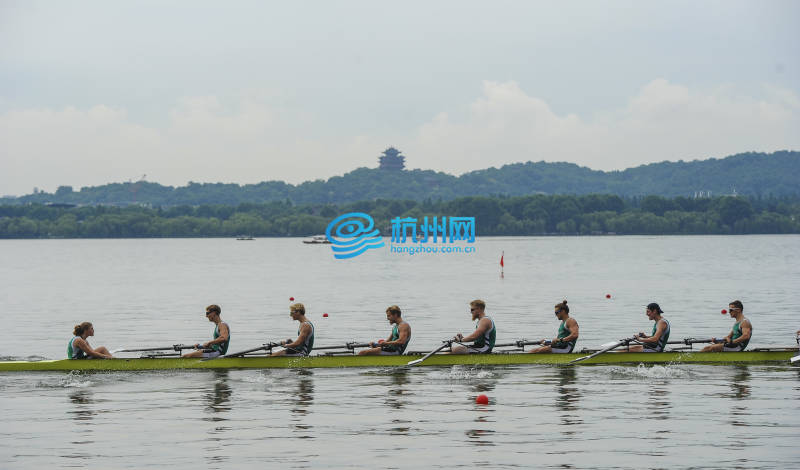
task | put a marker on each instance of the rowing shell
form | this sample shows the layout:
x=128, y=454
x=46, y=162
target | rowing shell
x=330, y=361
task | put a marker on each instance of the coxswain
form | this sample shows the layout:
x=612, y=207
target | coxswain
x=222, y=336
x=740, y=334
x=78, y=347
x=567, y=336
x=395, y=344
x=304, y=343
x=484, y=335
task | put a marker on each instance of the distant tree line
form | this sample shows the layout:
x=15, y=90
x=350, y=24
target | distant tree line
x=521, y=215
x=749, y=174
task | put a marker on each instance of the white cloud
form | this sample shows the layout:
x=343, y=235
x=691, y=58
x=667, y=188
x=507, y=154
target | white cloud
x=247, y=141
x=663, y=121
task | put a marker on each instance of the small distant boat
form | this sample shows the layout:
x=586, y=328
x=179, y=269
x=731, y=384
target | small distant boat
x=245, y=237
x=316, y=239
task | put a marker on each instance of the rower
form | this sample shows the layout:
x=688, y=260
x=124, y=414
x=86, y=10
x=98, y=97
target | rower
x=567, y=333
x=740, y=334
x=483, y=336
x=222, y=336
x=304, y=343
x=78, y=347
x=660, y=335
x=395, y=344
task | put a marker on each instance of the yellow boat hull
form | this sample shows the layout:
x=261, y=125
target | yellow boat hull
x=330, y=361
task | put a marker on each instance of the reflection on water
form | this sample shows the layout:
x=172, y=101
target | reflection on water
x=397, y=397
x=83, y=414
x=567, y=398
x=484, y=422
x=218, y=396
x=740, y=385
x=740, y=391
x=659, y=404
x=83, y=398
x=303, y=400
x=218, y=399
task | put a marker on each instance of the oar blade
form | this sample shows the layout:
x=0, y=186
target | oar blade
x=420, y=360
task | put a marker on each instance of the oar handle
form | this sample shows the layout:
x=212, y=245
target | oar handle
x=351, y=345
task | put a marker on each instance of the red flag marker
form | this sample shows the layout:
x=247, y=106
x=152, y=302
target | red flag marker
x=501, y=259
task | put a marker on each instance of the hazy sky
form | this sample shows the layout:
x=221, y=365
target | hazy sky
x=96, y=91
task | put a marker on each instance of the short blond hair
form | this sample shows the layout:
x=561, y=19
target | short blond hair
x=478, y=303
x=394, y=310
x=298, y=307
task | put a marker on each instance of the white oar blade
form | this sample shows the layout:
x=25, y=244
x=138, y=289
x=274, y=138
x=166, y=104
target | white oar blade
x=414, y=362
x=795, y=359
x=608, y=345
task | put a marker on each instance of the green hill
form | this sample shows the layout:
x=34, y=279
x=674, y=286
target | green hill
x=752, y=174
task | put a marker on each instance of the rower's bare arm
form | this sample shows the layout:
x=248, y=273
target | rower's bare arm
x=747, y=330
x=81, y=343
x=403, y=333
x=660, y=328
x=305, y=331
x=483, y=326
x=223, y=336
x=572, y=326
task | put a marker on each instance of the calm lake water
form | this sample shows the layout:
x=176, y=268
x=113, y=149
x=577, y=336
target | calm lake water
x=153, y=293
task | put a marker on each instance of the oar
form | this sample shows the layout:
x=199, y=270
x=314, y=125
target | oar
x=606, y=348
x=263, y=347
x=445, y=344
x=521, y=343
x=174, y=347
x=351, y=345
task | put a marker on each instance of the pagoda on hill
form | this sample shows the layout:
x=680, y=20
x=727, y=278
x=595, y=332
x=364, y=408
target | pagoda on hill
x=392, y=160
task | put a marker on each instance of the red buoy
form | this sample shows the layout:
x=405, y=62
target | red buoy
x=325, y=315
x=482, y=400
x=608, y=296
x=723, y=311
x=291, y=299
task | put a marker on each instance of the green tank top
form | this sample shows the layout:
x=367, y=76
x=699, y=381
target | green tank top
x=737, y=332
x=308, y=344
x=563, y=332
x=662, y=342
x=395, y=336
x=74, y=352
x=488, y=337
x=221, y=347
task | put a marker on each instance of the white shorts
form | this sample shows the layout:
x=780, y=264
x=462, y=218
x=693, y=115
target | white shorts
x=736, y=348
x=389, y=353
x=212, y=354
x=650, y=350
x=566, y=350
x=473, y=350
